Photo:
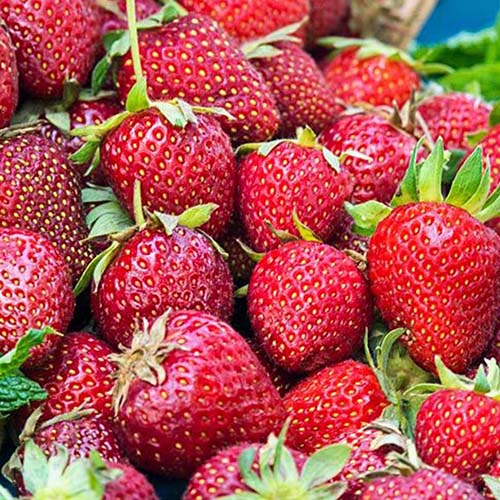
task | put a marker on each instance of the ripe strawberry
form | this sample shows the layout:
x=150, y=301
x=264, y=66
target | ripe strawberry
x=251, y=18
x=131, y=485
x=324, y=18
x=332, y=403
x=49, y=201
x=299, y=87
x=286, y=177
x=425, y=484
x=61, y=45
x=388, y=148
x=35, y=291
x=77, y=373
x=178, y=167
x=309, y=305
x=453, y=116
x=187, y=388
x=193, y=59
x=458, y=427
x=9, y=78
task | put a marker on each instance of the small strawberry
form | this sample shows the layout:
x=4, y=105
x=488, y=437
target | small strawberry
x=188, y=387
x=61, y=45
x=453, y=117
x=325, y=17
x=309, y=305
x=434, y=267
x=388, y=150
x=289, y=177
x=458, y=426
x=330, y=404
x=49, y=201
x=130, y=485
x=9, y=78
x=35, y=291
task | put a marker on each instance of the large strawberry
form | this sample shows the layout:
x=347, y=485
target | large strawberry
x=9, y=78
x=188, y=387
x=458, y=426
x=48, y=202
x=61, y=45
x=388, y=151
x=434, y=266
x=328, y=405
x=288, y=177
x=35, y=290
x=309, y=305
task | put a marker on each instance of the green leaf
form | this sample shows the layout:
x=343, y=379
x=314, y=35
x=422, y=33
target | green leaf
x=35, y=469
x=107, y=219
x=241, y=292
x=493, y=484
x=408, y=192
x=137, y=99
x=477, y=201
x=172, y=112
x=367, y=216
x=5, y=494
x=430, y=175
x=16, y=390
x=60, y=119
x=56, y=464
x=467, y=180
x=491, y=208
x=195, y=217
x=325, y=464
x=495, y=115
x=252, y=254
x=97, y=194
x=86, y=152
x=266, y=148
x=245, y=461
x=331, y=159
x=306, y=233
x=481, y=382
x=448, y=378
x=99, y=74
x=169, y=222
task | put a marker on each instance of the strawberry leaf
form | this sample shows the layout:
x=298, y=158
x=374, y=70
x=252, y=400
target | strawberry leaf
x=367, y=216
x=467, y=180
x=195, y=217
x=97, y=194
x=325, y=464
x=493, y=483
x=430, y=175
x=35, y=468
x=137, y=99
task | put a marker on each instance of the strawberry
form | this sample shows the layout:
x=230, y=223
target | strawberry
x=35, y=290
x=78, y=372
x=61, y=45
x=188, y=387
x=453, y=117
x=9, y=78
x=308, y=305
x=131, y=485
x=299, y=177
x=325, y=17
x=389, y=150
x=422, y=248
x=345, y=237
x=425, y=484
x=298, y=85
x=330, y=404
x=458, y=426
x=50, y=203
x=178, y=166
x=251, y=18
x=193, y=59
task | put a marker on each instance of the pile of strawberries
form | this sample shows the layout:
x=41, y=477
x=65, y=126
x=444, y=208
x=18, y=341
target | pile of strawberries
x=241, y=254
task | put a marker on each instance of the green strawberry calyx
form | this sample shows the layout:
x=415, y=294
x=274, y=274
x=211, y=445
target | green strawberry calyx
x=423, y=183
x=493, y=484
x=275, y=474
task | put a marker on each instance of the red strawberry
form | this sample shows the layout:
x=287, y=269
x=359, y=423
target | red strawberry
x=61, y=45
x=345, y=238
x=9, y=78
x=178, y=166
x=292, y=176
x=388, y=148
x=454, y=116
x=35, y=290
x=325, y=16
x=49, y=202
x=332, y=403
x=131, y=485
x=249, y=19
x=187, y=388
x=308, y=305
x=425, y=484
x=299, y=87
x=154, y=272
x=493, y=351
x=193, y=59
x=78, y=372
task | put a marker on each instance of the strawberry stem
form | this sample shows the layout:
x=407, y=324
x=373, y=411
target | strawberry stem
x=134, y=40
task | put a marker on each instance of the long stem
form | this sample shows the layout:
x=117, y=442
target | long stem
x=134, y=40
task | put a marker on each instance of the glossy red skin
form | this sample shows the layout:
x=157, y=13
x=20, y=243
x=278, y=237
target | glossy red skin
x=131, y=485
x=332, y=403
x=390, y=150
x=375, y=80
x=178, y=167
x=50, y=202
x=453, y=117
x=425, y=484
x=220, y=476
x=216, y=394
x=154, y=272
x=9, y=79
x=459, y=431
x=77, y=373
x=434, y=270
x=68, y=27
x=35, y=291
x=195, y=60
x=299, y=87
x=309, y=305
x=250, y=19
x=324, y=17
x=290, y=177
